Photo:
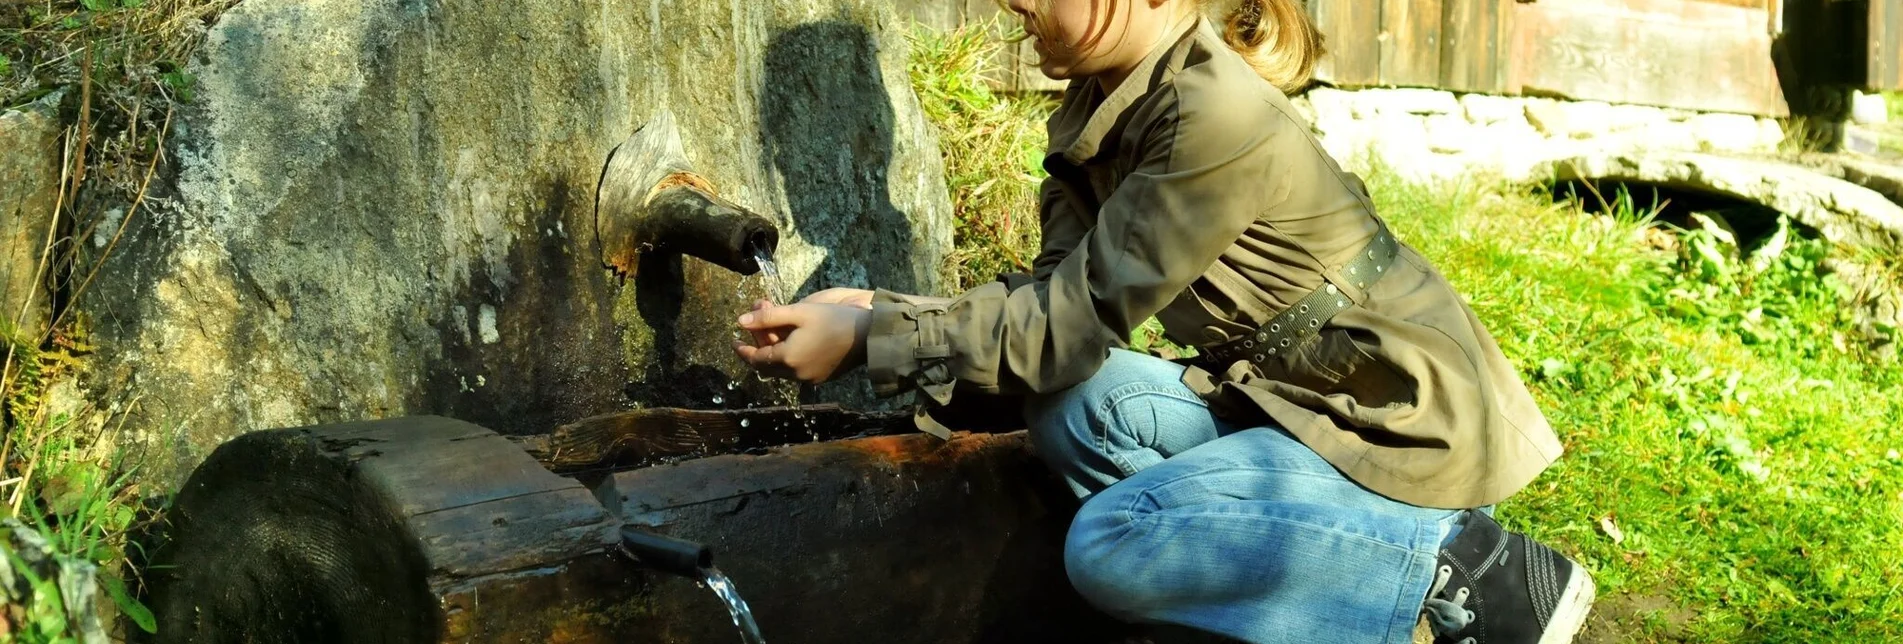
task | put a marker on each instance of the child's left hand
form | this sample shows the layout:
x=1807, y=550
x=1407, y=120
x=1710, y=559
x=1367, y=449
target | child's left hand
x=817, y=341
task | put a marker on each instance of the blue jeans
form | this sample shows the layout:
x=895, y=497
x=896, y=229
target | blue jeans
x=1244, y=532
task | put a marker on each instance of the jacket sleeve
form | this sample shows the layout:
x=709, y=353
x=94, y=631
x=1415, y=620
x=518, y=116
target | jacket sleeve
x=1189, y=198
x=1060, y=227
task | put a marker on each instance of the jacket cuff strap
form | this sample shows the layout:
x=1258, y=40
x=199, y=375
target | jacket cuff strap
x=908, y=348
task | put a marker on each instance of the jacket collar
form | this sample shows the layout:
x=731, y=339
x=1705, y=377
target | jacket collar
x=1079, y=144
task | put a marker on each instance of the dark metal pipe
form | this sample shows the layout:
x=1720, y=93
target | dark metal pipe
x=685, y=220
x=649, y=199
x=669, y=555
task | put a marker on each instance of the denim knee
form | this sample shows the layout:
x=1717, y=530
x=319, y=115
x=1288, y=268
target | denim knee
x=1099, y=575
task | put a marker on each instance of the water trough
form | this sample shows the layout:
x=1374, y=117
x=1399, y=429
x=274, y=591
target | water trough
x=429, y=529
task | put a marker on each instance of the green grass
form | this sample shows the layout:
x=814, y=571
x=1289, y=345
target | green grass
x=1725, y=419
x=993, y=145
x=1727, y=424
x=67, y=485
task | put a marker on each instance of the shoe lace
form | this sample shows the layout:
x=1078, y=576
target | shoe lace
x=1447, y=616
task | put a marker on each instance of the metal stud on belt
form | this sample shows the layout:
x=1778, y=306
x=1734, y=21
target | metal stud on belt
x=1305, y=318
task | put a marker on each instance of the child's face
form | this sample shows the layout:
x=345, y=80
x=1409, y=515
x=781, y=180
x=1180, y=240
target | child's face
x=1078, y=38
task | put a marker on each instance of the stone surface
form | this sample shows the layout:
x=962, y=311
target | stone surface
x=1886, y=179
x=1432, y=135
x=1484, y=109
x=386, y=207
x=29, y=193
x=1869, y=109
x=1726, y=132
x=1588, y=119
x=1550, y=117
x=1413, y=101
x=1840, y=211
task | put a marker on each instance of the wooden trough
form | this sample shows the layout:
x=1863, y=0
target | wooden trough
x=835, y=527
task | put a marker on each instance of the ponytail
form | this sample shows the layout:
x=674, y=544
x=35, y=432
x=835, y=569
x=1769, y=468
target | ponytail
x=1277, y=39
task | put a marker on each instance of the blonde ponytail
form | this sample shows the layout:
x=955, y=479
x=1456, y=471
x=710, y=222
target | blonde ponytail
x=1277, y=39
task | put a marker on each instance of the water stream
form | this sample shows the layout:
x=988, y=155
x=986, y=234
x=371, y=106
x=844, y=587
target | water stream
x=771, y=272
x=737, y=607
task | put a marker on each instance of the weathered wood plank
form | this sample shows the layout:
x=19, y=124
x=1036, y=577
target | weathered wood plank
x=1351, y=29
x=1886, y=44
x=1700, y=13
x=513, y=533
x=1410, y=42
x=482, y=469
x=1611, y=53
x=1473, y=36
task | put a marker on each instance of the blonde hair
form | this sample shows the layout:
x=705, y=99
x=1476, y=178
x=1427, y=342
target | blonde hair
x=1274, y=36
x=1277, y=39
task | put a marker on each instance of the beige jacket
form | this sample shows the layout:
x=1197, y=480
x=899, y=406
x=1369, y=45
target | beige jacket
x=1196, y=194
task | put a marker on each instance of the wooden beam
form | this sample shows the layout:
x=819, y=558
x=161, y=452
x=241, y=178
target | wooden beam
x=1668, y=53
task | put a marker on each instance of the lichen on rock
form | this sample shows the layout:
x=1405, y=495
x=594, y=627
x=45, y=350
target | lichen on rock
x=376, y=202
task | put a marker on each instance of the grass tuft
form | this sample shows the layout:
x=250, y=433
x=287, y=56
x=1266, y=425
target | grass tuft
x=993, y=145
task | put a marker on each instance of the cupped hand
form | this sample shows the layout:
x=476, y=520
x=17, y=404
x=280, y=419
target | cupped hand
x=858, y=297
x=817, y=340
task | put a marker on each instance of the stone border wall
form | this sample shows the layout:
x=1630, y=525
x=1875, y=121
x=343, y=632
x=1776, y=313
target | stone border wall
x=1431, y=134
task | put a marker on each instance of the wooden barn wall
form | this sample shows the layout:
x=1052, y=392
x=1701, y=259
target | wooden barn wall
x=1695, y=54
x=1886, y=44
x=1688, y=54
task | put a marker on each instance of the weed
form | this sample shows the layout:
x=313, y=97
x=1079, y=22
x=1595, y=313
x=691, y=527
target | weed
x=70, y=488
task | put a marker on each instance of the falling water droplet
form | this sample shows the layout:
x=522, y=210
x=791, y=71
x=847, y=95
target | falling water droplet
x=743, y=422
x=732, y=384
x=718, y=400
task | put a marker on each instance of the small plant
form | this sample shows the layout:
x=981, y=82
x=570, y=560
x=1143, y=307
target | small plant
x=69, y=502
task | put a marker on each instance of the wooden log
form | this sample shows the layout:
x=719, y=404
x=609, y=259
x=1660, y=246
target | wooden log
x=884, y=539
x=381, y=531
x=428, y=529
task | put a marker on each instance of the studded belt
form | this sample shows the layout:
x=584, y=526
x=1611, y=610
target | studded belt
x=1296, y=324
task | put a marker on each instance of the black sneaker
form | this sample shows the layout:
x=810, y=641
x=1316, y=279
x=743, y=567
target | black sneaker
x=1499, y=587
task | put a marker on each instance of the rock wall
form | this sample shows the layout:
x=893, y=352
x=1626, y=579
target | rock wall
x=385, y=207
x=1430, y=134
x=30, y=157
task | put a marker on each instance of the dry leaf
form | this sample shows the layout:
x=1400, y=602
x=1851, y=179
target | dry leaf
x=1612, y=530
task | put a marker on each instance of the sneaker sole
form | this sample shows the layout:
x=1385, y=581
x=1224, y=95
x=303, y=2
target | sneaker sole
x=1573, y=606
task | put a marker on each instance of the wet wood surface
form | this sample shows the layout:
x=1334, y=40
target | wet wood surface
x=649, y=436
